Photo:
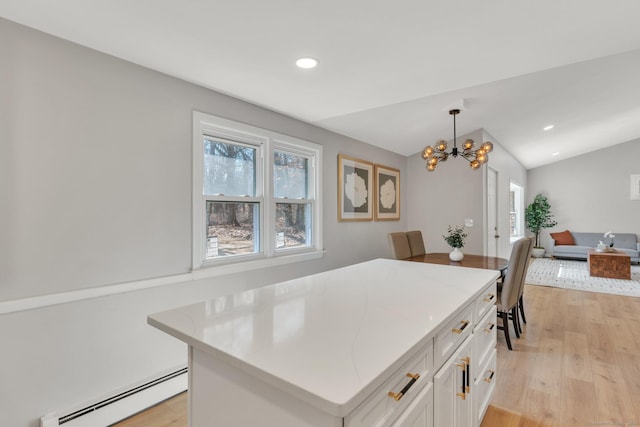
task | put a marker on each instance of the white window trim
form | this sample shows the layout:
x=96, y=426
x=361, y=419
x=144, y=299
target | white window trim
x=268, y=141
x=520, y=227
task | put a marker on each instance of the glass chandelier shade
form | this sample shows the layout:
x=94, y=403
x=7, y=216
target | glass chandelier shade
x=438, y=153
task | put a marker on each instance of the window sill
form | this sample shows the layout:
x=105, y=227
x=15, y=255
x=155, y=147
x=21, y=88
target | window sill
x=212, y=270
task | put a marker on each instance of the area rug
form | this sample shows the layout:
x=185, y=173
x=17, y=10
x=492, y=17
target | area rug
x=575, y=275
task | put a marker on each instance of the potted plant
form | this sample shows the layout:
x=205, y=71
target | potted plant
x=455, y=238
x=536, y=217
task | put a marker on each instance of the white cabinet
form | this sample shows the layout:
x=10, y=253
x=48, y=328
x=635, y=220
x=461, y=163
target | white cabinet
x=484, y=356
x=483, y=388
x=452, y=389
x=420, y=412
x=384, y=343
x=464, y=385
x=397, y=395
x=451, y=335
x=219, y=392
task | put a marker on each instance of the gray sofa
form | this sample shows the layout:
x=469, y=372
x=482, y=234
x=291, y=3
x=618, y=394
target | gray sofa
x=625, y=242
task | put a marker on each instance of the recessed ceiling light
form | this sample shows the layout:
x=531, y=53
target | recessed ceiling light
x=548, y=127
x=306, y=63
x=555, y=154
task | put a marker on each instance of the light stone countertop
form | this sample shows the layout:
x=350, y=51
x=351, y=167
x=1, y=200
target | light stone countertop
x=329, y=338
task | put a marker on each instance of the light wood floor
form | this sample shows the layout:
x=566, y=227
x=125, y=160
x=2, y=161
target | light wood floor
x=577, y=364
x=170, y=413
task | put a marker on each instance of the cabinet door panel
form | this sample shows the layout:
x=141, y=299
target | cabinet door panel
x=484, y=340
x=449, y=337
x=379, y=409
x=485, y=302
x=452, y=397
x=484, y=388
x=420, y=412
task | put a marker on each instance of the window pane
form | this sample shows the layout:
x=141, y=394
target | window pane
x=289, y=175
x=229, y=169
x=232, y=228
x=516, y=205
x=293, y=225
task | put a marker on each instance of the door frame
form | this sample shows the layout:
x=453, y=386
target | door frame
x=492, y=246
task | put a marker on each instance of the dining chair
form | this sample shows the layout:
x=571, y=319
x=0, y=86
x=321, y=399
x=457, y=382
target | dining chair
x=416, y=243
x=519, y=312
x=399, y=245
x=508, y=294
x=524, y=279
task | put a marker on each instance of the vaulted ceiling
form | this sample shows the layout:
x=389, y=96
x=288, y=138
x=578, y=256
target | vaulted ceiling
x=389, y=71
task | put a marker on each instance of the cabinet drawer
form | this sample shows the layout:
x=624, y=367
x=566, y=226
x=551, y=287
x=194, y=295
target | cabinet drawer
x=484, y=388
x=420, y=412
x=485, y=337
x=485, y=301
x=380, y=409
x=452, y=334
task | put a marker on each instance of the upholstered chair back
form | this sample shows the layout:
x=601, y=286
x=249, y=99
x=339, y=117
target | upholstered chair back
x=416, y=244
x=399, y=244
x=514, y=278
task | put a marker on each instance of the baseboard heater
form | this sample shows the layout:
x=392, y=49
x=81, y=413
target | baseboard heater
x=121, y=404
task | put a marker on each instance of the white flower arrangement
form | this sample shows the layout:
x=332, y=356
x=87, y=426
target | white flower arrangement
x=610, y=235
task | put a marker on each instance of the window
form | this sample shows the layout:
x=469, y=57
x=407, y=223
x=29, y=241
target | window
x=294, y=203
x=231, y=202
x=256, y=194
x=516, y=209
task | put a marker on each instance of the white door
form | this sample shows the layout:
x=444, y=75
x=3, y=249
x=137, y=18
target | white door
x=492, y=212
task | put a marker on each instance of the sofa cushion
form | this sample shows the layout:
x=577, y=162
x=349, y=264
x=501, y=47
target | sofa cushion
x=630, y=252
x=624, y=240
x=571, y=249
x=563, y=238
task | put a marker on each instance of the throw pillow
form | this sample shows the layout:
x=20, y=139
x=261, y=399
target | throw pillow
x=563, y=238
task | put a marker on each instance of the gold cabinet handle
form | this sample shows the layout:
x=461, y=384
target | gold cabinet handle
x=489, y=298
x=490, y=328
x=465, y=323
x=398, y=396
x=465, y=372
x=467, y=386
x=466, y=375
x=490, y=377
x=465, y=361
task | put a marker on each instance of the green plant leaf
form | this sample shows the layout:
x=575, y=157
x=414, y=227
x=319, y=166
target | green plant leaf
x=538, y=216
x=455, y=236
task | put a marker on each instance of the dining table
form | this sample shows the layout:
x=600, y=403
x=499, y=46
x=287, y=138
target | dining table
x=469, y=260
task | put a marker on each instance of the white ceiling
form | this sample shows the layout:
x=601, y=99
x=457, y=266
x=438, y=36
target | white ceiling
x=390, y=70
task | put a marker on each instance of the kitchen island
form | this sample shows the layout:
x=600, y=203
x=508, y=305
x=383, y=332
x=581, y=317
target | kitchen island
x=328, y=349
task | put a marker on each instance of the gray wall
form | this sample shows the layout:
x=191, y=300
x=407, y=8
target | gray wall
x=95, y=183
x=590, y=192
x=454, y=192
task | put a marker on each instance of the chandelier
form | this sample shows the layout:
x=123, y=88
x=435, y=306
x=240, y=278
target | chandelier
x=438, y=153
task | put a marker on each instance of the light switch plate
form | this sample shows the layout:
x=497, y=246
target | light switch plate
x=468, y=222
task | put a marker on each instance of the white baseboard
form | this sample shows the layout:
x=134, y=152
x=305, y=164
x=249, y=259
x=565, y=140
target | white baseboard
x=121, y=403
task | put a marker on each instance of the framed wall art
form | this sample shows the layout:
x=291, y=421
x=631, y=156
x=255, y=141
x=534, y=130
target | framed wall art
x=635, y=187
x=355, y=189
x=387, y=195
